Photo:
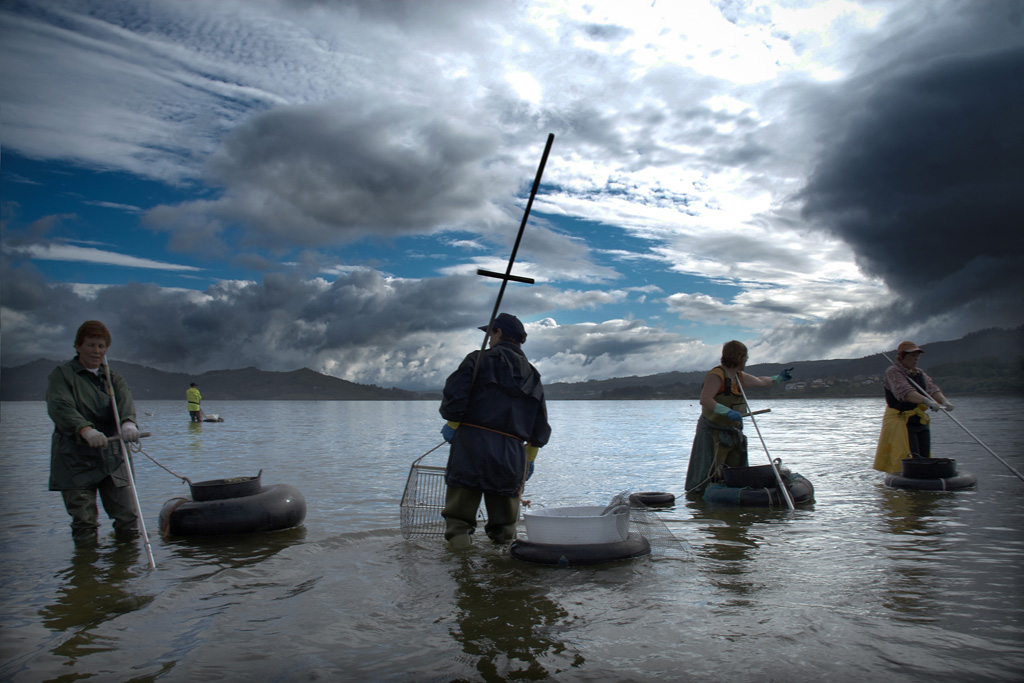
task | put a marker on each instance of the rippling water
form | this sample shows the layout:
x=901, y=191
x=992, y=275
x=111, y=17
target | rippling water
x=868, y=583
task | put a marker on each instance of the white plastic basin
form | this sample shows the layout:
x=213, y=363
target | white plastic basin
x=577, y=525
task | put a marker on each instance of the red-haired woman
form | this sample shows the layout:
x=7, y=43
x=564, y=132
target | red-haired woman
x=82, y=462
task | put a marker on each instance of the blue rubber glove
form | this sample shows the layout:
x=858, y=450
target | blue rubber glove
x=783, y=376
x=529, y=470
x=448, y=432
x=733, y=415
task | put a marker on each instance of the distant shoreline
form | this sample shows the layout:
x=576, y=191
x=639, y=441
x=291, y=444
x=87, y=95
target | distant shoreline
x=984, y=363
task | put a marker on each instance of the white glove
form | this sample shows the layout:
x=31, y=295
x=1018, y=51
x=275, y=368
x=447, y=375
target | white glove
x=947, y=405
x=930, y=402
x=94, y=437
x=129, y=431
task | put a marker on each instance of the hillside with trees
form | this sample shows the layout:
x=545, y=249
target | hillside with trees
x=987, y=362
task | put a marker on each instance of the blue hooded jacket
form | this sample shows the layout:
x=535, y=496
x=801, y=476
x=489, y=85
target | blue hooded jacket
x=506, y=409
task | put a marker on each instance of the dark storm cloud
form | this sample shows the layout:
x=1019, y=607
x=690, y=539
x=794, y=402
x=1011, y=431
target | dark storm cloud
x=282, y=323
x=327, y=174
x=797, y=342
x=923, y=177
x=25, y=290
x=631, y=337
x=292, y=320
x=364, y=326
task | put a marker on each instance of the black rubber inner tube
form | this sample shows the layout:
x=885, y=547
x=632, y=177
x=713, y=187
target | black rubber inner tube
x=279, y=506
x=563, y=555
x=757, y=477
x=652, y=498
x=963, y=480
x=800, y=488
x=928, y=468
x=218, y=489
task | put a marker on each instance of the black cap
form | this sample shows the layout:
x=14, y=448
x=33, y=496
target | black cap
x=509, y=326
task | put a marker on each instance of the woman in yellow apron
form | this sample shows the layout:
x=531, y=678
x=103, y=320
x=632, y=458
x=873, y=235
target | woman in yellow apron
x=905, y=431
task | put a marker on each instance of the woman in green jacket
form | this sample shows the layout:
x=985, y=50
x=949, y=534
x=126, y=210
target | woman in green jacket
x=719, y=441
x=82, y=462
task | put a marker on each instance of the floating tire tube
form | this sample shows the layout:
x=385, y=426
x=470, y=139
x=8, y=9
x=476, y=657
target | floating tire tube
x=566, y=555
x=963, y=480
x=279, y=506
x=652, y=498
x=928, y=468
x=800, y=488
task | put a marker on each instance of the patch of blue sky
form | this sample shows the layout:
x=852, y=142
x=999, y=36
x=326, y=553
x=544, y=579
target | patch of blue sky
x=47, y=187
x=646, y=275
x=61, y=209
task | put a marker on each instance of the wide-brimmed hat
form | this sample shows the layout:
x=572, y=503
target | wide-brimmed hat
x=509, y=326
x=909, y=347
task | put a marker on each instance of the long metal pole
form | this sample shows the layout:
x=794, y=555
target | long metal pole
x=515, y=248
x=522, y=224
x=921, y=391
x=128, y=465
x=778, y=476
x=497, y=303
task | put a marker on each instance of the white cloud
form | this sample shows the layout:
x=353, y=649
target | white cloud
x=71, y=252
x=300, y=133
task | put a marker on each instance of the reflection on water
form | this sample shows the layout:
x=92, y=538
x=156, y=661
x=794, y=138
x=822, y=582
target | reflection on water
x=909, y=512
x=505, y=624
x=730, y=550
x=96, y=587
x=915, y=545
x=195, y=430
x=869, y=583
x=232, y=552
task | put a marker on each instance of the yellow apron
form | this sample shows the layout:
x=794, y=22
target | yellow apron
x=893, y=442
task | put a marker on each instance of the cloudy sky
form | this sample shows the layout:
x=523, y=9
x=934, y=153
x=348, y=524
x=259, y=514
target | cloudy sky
x=314, y=183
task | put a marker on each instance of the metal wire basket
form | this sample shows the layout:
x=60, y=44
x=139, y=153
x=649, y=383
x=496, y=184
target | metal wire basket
x=423, y=500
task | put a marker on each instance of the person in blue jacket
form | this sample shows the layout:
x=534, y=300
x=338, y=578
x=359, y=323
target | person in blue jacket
x=496, y=422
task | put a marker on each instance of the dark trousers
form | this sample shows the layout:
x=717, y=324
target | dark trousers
x=920, y=439
x=195, y=415
x=461, y=505
x=117, y=503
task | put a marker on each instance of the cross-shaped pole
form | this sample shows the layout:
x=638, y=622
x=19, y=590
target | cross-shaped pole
x=507, y=275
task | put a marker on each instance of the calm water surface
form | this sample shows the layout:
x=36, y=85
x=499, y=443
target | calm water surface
x=866, y=584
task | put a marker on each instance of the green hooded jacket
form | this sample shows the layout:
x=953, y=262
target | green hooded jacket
x=77, y=398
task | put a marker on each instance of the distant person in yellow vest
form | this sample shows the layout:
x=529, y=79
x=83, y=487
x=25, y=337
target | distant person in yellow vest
x=905, y=431
x=194, y=399
x=720, y=441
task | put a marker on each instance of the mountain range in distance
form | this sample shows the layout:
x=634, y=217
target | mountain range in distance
x=984, y=362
